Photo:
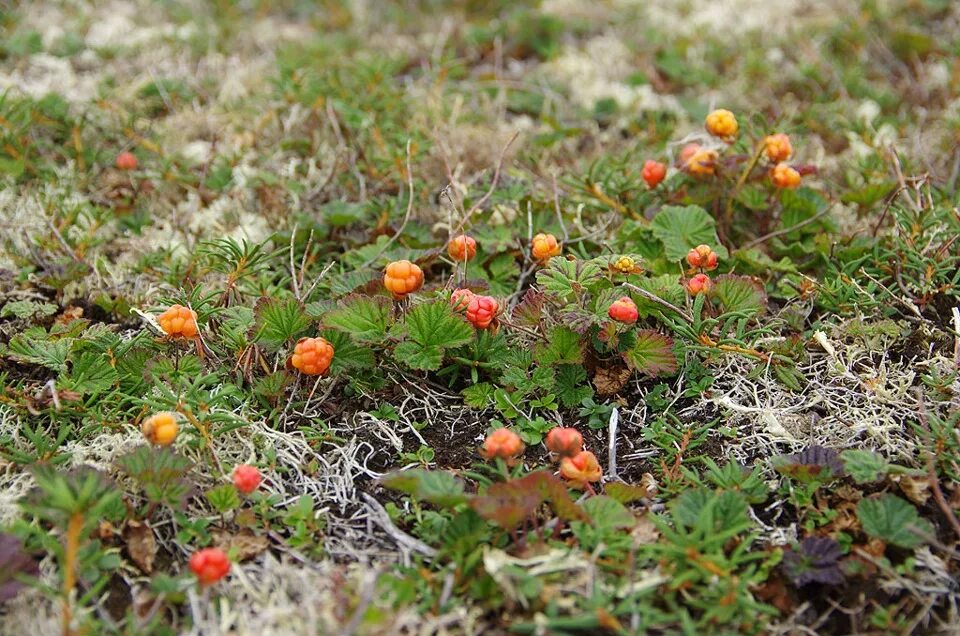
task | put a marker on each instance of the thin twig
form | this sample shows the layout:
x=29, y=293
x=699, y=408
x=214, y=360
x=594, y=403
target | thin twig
x=660, y=301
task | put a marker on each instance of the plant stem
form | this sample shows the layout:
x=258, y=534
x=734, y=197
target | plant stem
x=72, y=548
x=728, y=214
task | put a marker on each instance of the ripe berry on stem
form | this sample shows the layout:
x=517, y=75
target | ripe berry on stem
x=777, y=147
x=722, y=123
x=653, y=172
x=581, y=469
x=699, y=284
x=544, y=246
x=481, y=310
x=209, y=565
x=462, y=248
x=785, y=177
x=564, y=442
x=312, y=356
x=502, y=443
x=246, y=478
x=161, y=428
x=402, y=278
x=126, y=160
x=179, y=322
x=703, y=257
x=624, y=310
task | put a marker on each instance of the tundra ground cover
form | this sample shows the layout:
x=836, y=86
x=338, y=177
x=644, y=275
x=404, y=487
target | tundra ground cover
x=479, y=317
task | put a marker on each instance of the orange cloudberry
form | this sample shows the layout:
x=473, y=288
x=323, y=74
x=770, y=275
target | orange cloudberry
x=209, y=565
x=777, y=147
x=179, y=322
x=462, y=248
x=699, y=284
x=581, y=469
x=703, y=257
x=653, y=172
x=624, y=310
x=312, y=356
x=564, y=442
x=502, y=443
x=402, y=278
x=544, y=246
x=160, y=428
x=722, y=123
x=482, y=310
x=785, y=177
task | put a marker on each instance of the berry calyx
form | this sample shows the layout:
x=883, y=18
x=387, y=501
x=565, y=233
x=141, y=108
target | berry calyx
x=722, y=123
x=460, y=299
x=699, y=284
x=402, y=278
x=653, y=172
x=161, y=428
x=126, y=160
x=312, y=356
x=246, y=478
x=481, y=310
x=777, y=147
x=785, y=177
x=544, y=246
x=179, y=322
x=626, y=265
x=581, y=469
x=502, y=443
x=624, y=310
x=462, y=248
x=702, y=256
x=209, y=565
x=564, y=442
x=702, y=162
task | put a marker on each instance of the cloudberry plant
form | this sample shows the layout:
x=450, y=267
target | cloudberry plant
x=161, y=428
x=699, y=284
x=460, y=299
x=702, y=257
x=784, y=176
x=722, y=123
x=626, y=265
x=545, y=246
x=624, y=310
x=246, y=478
x=653, y=172
x=502, y=443
x=481, y=311
x=462, y=248
x=564, y=442
x=581, y=469
x=126, y=160
x=209, y=565
x=702, y=163
x=402, y=278
x=777, y=147
x=312, y=356
x=179, y=322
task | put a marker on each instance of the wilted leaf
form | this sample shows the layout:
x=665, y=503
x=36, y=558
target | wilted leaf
x=141, y=544
x=652, y=354
x=242, y=545
x=610, y=380
x=626, y=493
x=14, y=561
x=739, y=293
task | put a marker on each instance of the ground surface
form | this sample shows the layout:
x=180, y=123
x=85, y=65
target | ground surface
x=780, y=454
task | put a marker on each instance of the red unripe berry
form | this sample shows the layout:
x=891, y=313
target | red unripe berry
x=624, y=310
x=482, y=310
x=581, y=469
x=565, y=442
x=654, y=172
x=312, y=356
x=126, y=161
x=502, y=443
x=246, y=478
x=209, y=565
x=699, y=284
x=462, y=248
x=703, y=257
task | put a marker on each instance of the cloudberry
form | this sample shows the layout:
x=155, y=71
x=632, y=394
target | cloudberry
x=160, y=428
x=783, y=176
x=703, y=257
x=722, y=123
x=702, y=162
x=209, y=565
x=686, y=153
x=312, y=356
x=246, y=478
x=460, y=299
x=653, y=172
x=544, y=246
x=699, y=284
x=482, y=310
x=179, y=321
x=502, y=443
x=624, y=310
x=777, y=147
x=580, y=469
x=626, y=265
x=402, y=278
x=126, y=161
x=462, y=248
x=565, y=442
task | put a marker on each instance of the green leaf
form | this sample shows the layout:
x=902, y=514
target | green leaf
x=864, y=466
x=893, y=520
x=365, y=318
x=90, y=373
x=428, y=330
x=608, y=514
x=652, y=354
x=34, y=346
x=727, y=509
x=572, y=385
x=563, y=346
x=625, y=493
x=433, y=486
x=27, y=309
x=739, y=293
x=565, y=278
x=680, y=229
x=665, y=287
x=223, y=498
x=478, y=396
x=348, y=356
x=279, y=320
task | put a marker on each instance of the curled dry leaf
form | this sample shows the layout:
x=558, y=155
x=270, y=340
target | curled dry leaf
x=242, y=545
x=917, y=489
x=141, y=544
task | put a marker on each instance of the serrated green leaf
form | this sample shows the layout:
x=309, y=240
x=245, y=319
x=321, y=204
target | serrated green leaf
x=565, y=277
x=652, y=354
x=625, y=493
x=223, y=498
x=478, y=396
x=563, y=346
x=27, y=308
x=727, y=509
x=893, y=520
x=279, y=320
x=864, y=466
x=680, y=229
x=365, y=318
x=90, y=373
x=348, y=355
x=739, y=293
x=428, y=330
x=608, y=514
x=34, y=346
x=432, y=486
